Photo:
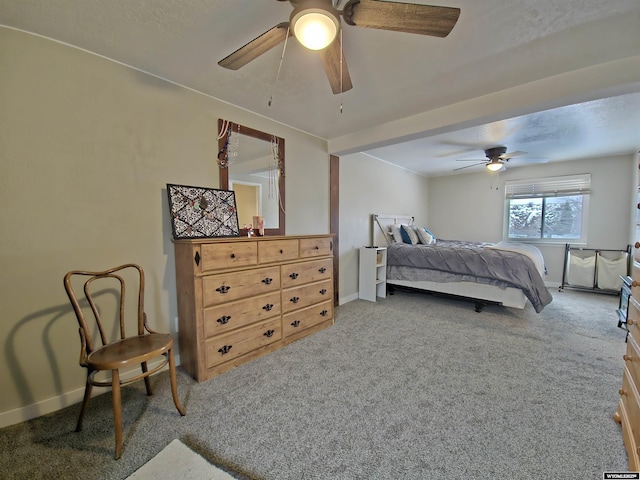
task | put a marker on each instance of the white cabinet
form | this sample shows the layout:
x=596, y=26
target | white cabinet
x=373, y=273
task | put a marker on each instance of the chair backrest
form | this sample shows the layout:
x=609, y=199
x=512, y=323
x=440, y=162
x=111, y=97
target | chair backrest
x=85, y=296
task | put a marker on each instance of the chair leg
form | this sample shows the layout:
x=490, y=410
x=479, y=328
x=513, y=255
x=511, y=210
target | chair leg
x=117, y=411
x=147, y=382
x=87, y=395
x=174, y=383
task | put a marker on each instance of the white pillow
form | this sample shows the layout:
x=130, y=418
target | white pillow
x=395, y=233
x=425, y=236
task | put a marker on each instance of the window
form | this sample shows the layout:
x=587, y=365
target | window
x=548, y=209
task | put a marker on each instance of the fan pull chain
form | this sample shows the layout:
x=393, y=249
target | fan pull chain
x=284, y=48
x=496, y=175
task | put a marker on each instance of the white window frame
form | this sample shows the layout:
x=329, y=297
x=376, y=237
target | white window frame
x=561, y=186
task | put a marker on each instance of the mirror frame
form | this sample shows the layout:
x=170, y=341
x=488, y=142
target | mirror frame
x=224, y=172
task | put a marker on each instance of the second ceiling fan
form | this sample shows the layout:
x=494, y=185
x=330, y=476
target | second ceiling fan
x=316, y=24
x=497, y=159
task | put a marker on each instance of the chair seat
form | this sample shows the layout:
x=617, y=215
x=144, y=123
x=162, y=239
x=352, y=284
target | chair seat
x=132, y=350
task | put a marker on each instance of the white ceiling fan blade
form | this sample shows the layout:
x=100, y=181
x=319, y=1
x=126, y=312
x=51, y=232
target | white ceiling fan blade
x=456, y=153
x=529, y=160
x=469, y=166
x=517, y=153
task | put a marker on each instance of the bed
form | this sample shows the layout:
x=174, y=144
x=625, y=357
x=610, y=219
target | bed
x=504, y=273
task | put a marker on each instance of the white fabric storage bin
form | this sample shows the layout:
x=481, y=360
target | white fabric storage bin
x=609, y=271
x=582, y=271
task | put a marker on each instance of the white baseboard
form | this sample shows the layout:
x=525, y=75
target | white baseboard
x=347, y=299
x=49, y=405
x=53, y=404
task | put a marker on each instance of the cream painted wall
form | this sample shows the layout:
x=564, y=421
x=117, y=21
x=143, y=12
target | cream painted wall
x=87, y=148
x=478, y=213
x=368, y=186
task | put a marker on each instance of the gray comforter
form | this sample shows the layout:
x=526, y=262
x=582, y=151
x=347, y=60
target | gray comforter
x=474, y=262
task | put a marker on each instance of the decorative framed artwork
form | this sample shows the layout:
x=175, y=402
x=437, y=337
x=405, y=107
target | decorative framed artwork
x=199, y=212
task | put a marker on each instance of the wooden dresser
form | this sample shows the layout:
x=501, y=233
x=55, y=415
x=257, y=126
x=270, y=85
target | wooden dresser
x=628, y=412
x=241, y=298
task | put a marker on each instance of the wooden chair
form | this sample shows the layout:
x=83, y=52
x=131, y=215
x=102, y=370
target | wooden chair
x=124, y=351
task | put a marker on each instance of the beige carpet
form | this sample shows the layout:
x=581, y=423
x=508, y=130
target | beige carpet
x=410, y=387
x=176, y=460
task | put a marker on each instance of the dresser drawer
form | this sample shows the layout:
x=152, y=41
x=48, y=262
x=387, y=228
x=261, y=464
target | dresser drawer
x=632, y=359
x=300, y=297
x=229, y=316
x=277, y=251
x=633, y=453
x=306, y=272
x=635, y=276
x=220, y=256
x=307, y=317
x=633, y=318
x=227, y=347
x=316, y=247
x=631, y=402
x=226, y=287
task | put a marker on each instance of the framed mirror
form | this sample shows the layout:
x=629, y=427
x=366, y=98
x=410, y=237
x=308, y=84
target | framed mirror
x=251, y=163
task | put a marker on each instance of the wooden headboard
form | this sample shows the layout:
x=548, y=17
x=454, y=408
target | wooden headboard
x=381, y=225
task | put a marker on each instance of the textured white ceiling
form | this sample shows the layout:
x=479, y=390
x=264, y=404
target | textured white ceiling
x=596, y=128
x=497, y=46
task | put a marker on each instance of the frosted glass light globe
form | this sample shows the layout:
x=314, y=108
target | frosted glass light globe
x=314, y=29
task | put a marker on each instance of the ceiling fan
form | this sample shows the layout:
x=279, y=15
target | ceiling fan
x=497, y=159
x=316, y=24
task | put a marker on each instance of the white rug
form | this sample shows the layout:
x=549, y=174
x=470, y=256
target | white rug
x=176, y=460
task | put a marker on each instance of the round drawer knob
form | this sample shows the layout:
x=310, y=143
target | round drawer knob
x=635, y=283
x=630, y=321
x=627, y=358
x=637, y=245
x=622, y=392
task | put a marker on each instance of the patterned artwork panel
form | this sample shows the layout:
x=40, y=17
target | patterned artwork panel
x=199, y=212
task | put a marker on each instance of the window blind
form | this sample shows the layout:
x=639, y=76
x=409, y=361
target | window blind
x=549, y=187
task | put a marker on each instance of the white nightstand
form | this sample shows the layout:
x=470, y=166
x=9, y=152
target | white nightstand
x=373, y=273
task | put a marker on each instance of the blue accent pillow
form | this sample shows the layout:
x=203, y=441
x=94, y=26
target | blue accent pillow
x=408, y=235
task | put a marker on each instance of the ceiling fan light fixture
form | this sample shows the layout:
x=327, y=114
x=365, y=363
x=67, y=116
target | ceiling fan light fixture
x=315, y=27
x=495, y=165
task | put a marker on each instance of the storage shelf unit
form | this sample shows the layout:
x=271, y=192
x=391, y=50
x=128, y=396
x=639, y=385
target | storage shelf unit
x=373, y=273
x=592, y=260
